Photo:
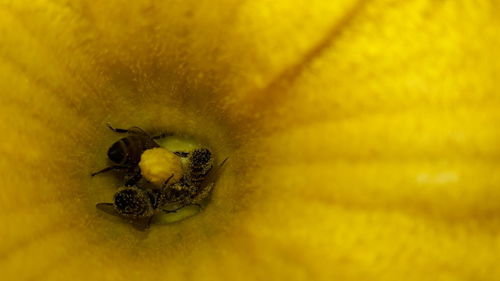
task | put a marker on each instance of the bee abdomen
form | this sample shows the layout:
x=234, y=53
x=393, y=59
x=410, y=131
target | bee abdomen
x=200, y=157
x=198, y=177
x=200, y=164
x=133, y=202
x=128, y=150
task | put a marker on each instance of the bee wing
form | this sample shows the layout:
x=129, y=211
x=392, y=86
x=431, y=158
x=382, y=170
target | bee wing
x=138, y=223
x=214, y=174
x=208, y=184
x=108, y=208
x=203, y=193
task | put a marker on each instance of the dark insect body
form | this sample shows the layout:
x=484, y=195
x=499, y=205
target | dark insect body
x=200, y=163
x=126, y=152
x=138, y=206
x=197, y=182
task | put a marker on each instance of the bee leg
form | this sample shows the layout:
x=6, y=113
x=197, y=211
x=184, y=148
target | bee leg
x=181, y=154
x=171, y=211
x=132, y=180
x=162, y=135
x=165, y=184
x=177, y=209
x=117, y=130
x=133, y=176
x=195, y=204
x=222, y=163
x=109, y=169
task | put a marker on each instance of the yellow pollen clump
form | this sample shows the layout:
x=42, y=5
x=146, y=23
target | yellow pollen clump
x=158, y=164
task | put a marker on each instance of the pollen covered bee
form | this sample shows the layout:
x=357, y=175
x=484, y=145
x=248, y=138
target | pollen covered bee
x=128, y=152
x=173, y=180
x=196, y=184
x=138, y=206
x=135, y=205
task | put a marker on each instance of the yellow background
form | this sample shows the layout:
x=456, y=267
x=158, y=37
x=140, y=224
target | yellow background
x=363, y=137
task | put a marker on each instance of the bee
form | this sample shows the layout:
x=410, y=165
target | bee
x=135, y=205
x=197, y=182
x=126, y=152
x=138, y=206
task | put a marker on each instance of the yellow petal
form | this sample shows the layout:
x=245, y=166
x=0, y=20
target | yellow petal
x=362, y=137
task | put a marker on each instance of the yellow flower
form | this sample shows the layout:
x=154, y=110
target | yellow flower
x=363, y=137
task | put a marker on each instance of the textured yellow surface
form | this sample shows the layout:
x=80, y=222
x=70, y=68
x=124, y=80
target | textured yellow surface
x=159, y=164
x=363, y=137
